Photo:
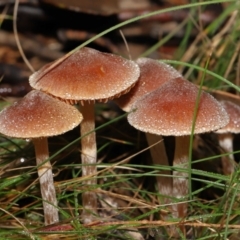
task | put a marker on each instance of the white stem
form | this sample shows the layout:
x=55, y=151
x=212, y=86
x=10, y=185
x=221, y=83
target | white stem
x=180, y=178
x=46, y=181
x=159, y=157
x=89, y=160
x=226, y=143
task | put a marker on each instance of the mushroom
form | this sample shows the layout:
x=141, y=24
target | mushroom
x=225, y=135
x=38, y=116
x=169, y=110
x=153, y=74
x=87, y=76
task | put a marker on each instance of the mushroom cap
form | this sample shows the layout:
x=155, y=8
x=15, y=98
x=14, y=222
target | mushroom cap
x=87, y=75
x=233, y=111
x=38, y=115
x=169, y=110
x=152, y=75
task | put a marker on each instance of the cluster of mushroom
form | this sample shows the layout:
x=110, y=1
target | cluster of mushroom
x=84, y=76
x=163, y=103
x=159, y=100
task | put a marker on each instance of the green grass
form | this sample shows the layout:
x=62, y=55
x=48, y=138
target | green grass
x=124, y=169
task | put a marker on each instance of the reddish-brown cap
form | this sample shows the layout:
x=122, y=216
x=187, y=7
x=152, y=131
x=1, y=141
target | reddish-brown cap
x=233, y=111
x=169, y=110
x=38, y=115
x=87, y=75
x=152, y=75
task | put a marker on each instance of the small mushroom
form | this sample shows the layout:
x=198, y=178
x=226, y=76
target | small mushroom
x=36, y=117
x=153, y=74
x=225, y=135
x=87, y=76
x=169, y=110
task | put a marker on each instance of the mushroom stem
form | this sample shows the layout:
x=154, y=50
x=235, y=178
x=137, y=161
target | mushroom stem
x=89, y=159
x=180, y=178
x=226, y=143
x=46, y=181
x=159, y=157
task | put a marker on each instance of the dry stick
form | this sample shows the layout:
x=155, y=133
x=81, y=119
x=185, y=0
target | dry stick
x=159, y=223
x=219, y=36
x=231, y=64
x=147, y=224
x=213, y=43
x=46, y=181
x=217, y=39
x=222, y=95
x=237, y=81
x=191, y=50
x=89, y=159
x=126, y=44
x=17, y=38
x=26, y=231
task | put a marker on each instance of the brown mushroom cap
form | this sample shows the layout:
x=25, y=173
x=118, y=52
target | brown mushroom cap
x=38, y=115
x=87, y=75
x=233, y=111
x=169, y=110
x=152, y=75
